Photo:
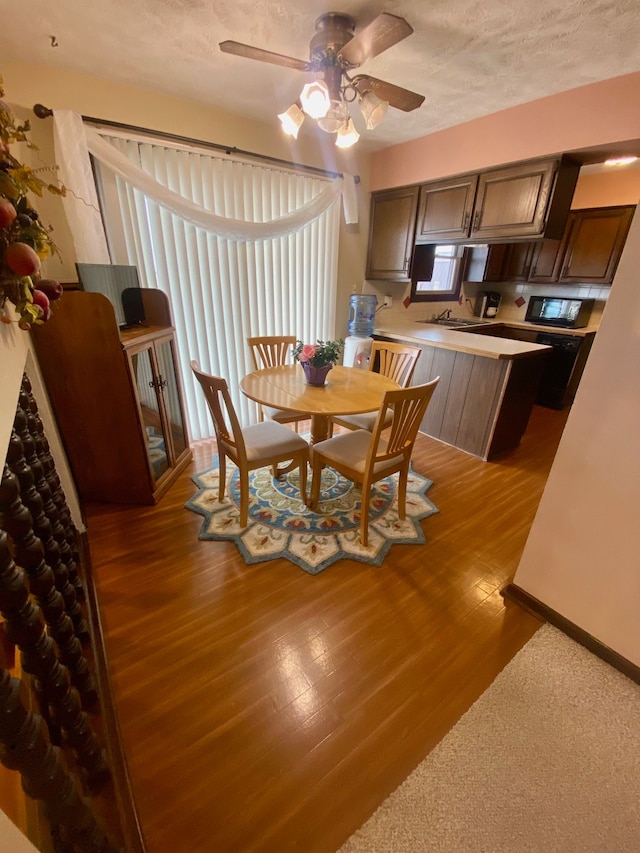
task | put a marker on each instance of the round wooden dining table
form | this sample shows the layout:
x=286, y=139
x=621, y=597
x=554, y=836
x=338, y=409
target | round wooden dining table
x=348, y=391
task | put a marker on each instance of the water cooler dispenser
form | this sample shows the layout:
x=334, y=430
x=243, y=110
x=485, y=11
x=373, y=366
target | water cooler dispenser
x=357, y=345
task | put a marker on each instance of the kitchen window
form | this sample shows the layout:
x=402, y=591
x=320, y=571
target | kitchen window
x=442, y=280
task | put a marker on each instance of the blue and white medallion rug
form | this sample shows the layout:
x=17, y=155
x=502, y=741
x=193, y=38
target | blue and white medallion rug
x=280, y=525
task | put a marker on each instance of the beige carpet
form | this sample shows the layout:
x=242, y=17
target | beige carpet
x=548, y=759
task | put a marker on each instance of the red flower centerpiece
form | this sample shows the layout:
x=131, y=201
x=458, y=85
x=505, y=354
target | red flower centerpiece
x=317, y=359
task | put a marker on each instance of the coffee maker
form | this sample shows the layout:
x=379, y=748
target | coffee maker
x=487, y=303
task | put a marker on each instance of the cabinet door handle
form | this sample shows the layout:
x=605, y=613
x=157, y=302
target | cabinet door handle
x=476, y=220
x=465, y=221
x=158, y=383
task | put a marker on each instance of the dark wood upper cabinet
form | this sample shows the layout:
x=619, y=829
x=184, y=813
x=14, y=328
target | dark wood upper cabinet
x=530, y=199
x=445, y=209
x=546, y=261
x=589, y=250
x=500, y=262
x=392, y=227
x=517, y=262
x=595, y=239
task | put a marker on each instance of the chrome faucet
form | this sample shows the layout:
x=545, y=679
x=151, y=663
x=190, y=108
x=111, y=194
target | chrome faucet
x=444, y=315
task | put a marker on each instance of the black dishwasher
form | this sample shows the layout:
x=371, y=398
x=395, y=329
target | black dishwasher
x=558, y=370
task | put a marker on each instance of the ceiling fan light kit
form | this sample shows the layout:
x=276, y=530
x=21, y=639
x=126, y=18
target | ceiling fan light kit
x=373, y=110
x=292, y=120
x=315, y=99
x=336, y=116
x=334, y=52
x=347, y=135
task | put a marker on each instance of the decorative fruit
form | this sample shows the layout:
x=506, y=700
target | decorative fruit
x=41, y=299
x=21, y=259
x=42, y=314
x=53, y=289
x=7, y=213
x=24, y=325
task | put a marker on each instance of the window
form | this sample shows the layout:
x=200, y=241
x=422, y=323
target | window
x=222, y=291
x=437, y=273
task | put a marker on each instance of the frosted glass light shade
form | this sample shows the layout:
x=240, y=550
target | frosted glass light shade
x=315, y=99
x=373, y=109
x=335, y=117
x=347, y=135
x=291, y=120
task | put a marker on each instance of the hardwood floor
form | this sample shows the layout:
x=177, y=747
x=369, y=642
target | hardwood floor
x=265, y=709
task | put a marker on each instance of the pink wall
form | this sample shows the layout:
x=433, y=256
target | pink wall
x=606, y=189
x=596, y=114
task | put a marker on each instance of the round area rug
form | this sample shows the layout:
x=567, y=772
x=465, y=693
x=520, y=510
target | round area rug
x=280, y=525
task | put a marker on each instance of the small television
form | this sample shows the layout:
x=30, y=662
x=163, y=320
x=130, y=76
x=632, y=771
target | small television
x=121, y=285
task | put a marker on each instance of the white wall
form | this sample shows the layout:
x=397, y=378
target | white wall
x=16, y=355
x=582, y=557
x=12, y=839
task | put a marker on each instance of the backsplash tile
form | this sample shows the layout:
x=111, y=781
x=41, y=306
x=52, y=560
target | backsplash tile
x=515, y=298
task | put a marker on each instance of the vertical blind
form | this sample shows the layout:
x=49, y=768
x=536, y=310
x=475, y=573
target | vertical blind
x=223, y=291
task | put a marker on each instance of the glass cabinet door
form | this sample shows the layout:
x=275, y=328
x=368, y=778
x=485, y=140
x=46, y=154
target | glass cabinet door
x=174, y=426
x=142, y=368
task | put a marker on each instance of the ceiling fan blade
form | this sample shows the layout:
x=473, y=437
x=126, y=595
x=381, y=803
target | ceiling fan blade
x=249, y=52
x=382, y=33
x=401, y=99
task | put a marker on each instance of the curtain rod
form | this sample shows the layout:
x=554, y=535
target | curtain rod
x=44, y=112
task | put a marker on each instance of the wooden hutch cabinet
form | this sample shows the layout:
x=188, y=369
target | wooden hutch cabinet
x=392, y=226
x=116, y=395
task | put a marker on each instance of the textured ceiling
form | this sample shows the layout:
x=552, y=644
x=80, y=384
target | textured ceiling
x=468, y=57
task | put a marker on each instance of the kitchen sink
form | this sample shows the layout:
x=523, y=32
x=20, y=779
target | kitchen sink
x=454, y=322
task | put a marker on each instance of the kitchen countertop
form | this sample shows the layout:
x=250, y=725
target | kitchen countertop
x=445, y=338
x=463, y=339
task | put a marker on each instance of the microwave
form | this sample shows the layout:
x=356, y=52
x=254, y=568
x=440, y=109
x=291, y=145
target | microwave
x=556, y=311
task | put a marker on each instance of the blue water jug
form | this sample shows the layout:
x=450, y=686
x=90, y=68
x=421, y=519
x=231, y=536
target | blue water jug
x=362, y=313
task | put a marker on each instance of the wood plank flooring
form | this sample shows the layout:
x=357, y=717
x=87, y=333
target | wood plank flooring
x=265, y=709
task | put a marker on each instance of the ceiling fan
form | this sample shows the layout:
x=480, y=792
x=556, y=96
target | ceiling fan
x=334, y=52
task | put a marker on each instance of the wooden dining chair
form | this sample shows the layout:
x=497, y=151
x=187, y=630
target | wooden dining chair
x=252, y=447
x=397, y=361
x=365, y=457
x=272, y=351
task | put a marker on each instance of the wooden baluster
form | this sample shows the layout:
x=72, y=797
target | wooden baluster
x=66, y=537
x=24, y=747
x=27, y=424
x=48, y=577
x=38, y=652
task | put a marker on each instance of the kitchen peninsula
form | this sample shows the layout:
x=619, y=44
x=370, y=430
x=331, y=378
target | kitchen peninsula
x=487, y=385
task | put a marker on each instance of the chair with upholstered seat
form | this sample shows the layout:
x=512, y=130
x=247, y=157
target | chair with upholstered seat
x=252, y=447
x=272, y=351
x=365, y=457
x=397, y=361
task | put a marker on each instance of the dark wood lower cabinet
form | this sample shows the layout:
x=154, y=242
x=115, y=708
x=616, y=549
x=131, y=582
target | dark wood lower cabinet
x=481, y=405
